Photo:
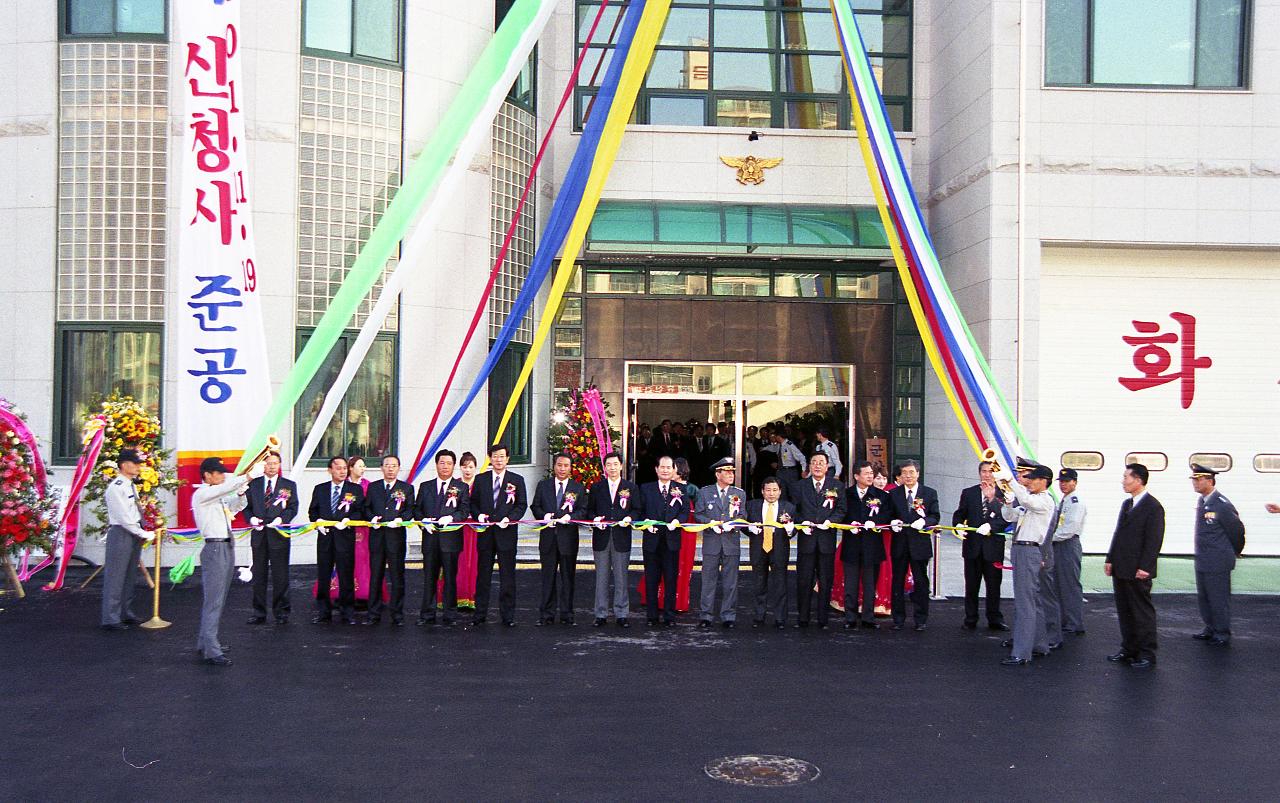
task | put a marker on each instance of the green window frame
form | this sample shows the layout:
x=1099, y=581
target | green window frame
x=94, y=360
x=524, y=92
x=1164, y=44
x=114, y=19
x=502, y=382
x=366, y=421
x=781, y=52
x=354, y=30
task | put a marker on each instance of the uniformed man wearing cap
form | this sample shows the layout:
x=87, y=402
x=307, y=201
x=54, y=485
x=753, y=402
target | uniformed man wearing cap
x=1029, y=505
x=1068, y=524
x=718, y=505
x=125, y=538
x=1219, y=539
x=214, y=504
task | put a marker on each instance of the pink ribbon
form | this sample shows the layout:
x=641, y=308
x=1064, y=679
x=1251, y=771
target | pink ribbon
x=595, y=406
x=70, y=524
x=19, y=427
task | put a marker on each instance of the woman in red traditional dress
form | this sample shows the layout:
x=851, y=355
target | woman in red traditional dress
x=689, y=541
x=884, y=583
x=355, y=473
x=469, y=562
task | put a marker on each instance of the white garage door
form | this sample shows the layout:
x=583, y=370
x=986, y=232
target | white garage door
x=1169, y=353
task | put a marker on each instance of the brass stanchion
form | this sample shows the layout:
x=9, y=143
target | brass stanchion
x=155, y=622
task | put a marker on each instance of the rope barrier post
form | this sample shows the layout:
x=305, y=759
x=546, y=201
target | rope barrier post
x=155, y=622
x=937, y=566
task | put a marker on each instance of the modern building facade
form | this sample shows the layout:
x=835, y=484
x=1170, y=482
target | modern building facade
x=1094, y=172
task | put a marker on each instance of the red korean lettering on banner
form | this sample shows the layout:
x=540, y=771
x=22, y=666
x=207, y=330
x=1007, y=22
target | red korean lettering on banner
x=1153, y=359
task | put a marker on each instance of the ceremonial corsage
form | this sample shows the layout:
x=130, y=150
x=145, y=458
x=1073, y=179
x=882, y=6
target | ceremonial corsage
x=282, y=497
x=735, y=505
x=873, y=505
x=623, y=497
x=569, y=498
x=829, y=498
x=918, y=507
x=676, y=496
x=398, y=496
x=785, y=518
x=511, y=494
x=451, y=497
x=348, y=499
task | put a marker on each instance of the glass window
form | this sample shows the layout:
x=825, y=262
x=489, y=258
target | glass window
x=615, y=281
x=822, y=226
x=327, y=25
x=623, y=223
x=1266, y=463
x=669, y=70
x=877, y=286
x=1215, y=461
x=686, y=27
x=502, y=383
x=746, y=28
x=813, y=114
x=740, y=282
x=677, y=283
x=112, y=17
x=568, y=342
x=364, y=423
x=744, y=71
x=684, y=110
x=97, y=361
x=810, y=74
x=571, y=312
x=744, y=113
x=808, y=30
x=768, y=226
x=802, y=284
x=1083, y=461
x=1154, y=461
x=688, y=224
x=378, y=29
x=1173, y=43
x=364, y=29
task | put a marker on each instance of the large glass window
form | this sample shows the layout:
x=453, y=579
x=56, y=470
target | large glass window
x=502, y=383
x=96, y=360
x=364, y=423
x=126, y=19
x=755, y=63
x=1159, y=43
x=358, y=29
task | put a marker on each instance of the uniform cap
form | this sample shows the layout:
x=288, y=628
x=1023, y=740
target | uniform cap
x=1198, y=470
x=724, y=462
x=212, y=464
x=129, y=456
x=1067, y=474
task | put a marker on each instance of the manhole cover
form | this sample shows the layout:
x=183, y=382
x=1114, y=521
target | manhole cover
x=762, y=770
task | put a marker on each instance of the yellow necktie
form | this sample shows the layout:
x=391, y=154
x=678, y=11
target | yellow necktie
x=769, y=518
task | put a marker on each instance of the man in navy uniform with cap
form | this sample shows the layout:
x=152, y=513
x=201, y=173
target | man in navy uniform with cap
x=1068, y=525
x=125, y=538
x=1219, y=539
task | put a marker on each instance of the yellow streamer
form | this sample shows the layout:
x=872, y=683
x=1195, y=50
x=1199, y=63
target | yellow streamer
x=646, y=37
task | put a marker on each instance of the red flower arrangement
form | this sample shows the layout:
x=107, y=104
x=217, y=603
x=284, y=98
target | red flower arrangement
x=572, y=431
x=28, y=518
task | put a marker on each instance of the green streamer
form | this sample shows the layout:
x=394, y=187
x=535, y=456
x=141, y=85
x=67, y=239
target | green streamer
x=419, y=181
x=181, y=571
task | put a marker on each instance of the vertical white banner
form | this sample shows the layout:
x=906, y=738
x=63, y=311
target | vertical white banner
x=223, y=385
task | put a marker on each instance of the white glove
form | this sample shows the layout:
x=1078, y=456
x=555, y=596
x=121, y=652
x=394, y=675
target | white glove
x=565, y=519
x=322, y=530
x=344, y=524
x=715, y=527
x=985, y=529
x=246, y=574
x=673, y=525
x=256, y=522
x=444, y=521
x=1010, y=500
x=806, y=525
x=483, y=518
x=398, y=523
x=277, y=522
x=599, y=522
x=547, y=518
x=789, y=527
x=505, y=522
x=896, y=525
x=1003, y=475
x=429, y=527
x=918, y=524
x=626, y=522
x=826, y=525
x=148, y=536
x=754, y=530
x=376, y=520
x=869, y=524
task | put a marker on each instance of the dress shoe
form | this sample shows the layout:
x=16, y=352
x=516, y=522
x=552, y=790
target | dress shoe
x=373, y=620
x=218, y=660
x=114, y=626
x=624, y=623
x=1039, y=654
x=1219, y=642
x=350, y=620
x=397, y=621
x=543, y=622
x=423, y=621
x=321, y=619
x=822, y=625
x=802, y=625
x=780, y=625
x=256, y=620
x=870, y=625
x=1000, y=626
x=599, y=622
x=651, y=622
x=1203, y=635
x=132, y=621
x=727, y=625
x=896, y=626
x=1007, y=643
x=704, y=623
x=1011, y=661
x=668, y=622
x=969, y=626
x=1057, y=645
x=568, y=623
x=282, y=620
x=920, y=627
x=1078, y=632
x=757, y=623
x=1142, y=663
x=1121, y=657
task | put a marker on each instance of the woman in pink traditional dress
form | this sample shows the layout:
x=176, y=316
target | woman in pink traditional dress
x=469, y=561
x=688, y=542
x=884, y=583
x=356, y=467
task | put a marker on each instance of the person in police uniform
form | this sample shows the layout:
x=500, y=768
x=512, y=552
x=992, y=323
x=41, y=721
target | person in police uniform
x=1068, y=525
x=125, y=538
x=1028, y=504
x=721, y=545
x=213, y=505
x=1219, y=539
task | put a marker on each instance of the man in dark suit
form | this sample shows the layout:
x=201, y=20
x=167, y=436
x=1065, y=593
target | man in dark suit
x=1131, y=565
x=272, y=502
x=983, y=550
x=662, y=501
x=915, y=509
x=498, y=496
x=1219, y=538
x=613, y=499
x=819, y=502
x=559, y=499
x=441, y=502
x=770, y=550
x=862, y=551
x=388, y=501
x=336, y=500
x=664, y=442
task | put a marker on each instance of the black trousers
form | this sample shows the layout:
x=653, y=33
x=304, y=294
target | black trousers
x=435, y=562
x=770, y=572
x=919, y=591
x=559, y=568
x=1137, y=617
x=976, y=572
x=386, y=550
x=336, y=548
x=661, y=566
x=860, y=571
x=506, y=582
x=270, y=554
x=809, y=565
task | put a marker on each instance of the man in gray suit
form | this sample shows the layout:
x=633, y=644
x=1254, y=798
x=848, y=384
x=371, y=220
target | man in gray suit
x=721, y=548
x=1219, y=539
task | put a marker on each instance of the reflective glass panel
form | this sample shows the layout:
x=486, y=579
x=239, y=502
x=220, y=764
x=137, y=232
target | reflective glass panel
x=378, y=29
x=808, y=30
x=89, y=17
x=685, y=27
x=744, y=113
x=813, y=115
x=1218, y=44
x=746, y=28
x=615, y=281
x=740, y=282
x=802, y=284
x=140, y=16
x=822, y=227
x=745, y=71
x=623, y=223
x=327, y=25
x=1146, y=42
x=688, y=224
x=795, y=380
x=691, y=110
x=808, y=74
x=1066, y=26
x=677, y=283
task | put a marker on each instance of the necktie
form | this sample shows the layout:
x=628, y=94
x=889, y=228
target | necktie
x=817, y=487
x=770, y=516
x=559, y=493
x=444, y=487
x=911, y=498
x=497, y=488
x=665, y=493
x=271, y=486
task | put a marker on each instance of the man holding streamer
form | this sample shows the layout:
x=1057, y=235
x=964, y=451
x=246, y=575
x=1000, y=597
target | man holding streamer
x=915, y=510
x=390, y=502
x=720, y=505
x=983, y=548
x=770, y=551
x=213, y=504
x=1027, y=502
x=613, y=499
x=862, y=550
x=272, y=502
x=498, y=498
x=441, y=502
x=662, y=500
x=819, y=502
x=558, y=501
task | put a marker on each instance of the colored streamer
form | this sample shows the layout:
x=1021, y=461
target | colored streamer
x=503, y=56
x=646, y=38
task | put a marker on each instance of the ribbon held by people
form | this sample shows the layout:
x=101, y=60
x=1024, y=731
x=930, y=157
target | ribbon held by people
x=599, y=422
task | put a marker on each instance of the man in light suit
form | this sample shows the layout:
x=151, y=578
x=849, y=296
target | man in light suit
x=498, y=497
x=389, y=500
x=770, y=551
x=915, y=510
x=1219, y=538
x=440, y=503
x=560, y=499
x=1131, y=565
x=820, y=502
x=663, y=500
x=721, y=544
x=612, y=499
x=272, y=501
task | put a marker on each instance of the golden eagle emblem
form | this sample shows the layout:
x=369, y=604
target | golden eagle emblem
x=750, y=168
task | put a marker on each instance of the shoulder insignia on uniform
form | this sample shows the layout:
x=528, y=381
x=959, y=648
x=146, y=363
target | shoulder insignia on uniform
x=1075, y=499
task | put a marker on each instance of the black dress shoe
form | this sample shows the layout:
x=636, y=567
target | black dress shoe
x=1039, y=654
x=1011, y=661
x=651, y=622
x=969, y=626
x=599, y=622
x=704, y=623
x=321, y=619
x=896, y=626
x=802, y=625
x=256, y=620
x=1219, y=642
x=397, y=621
x=132, y=621
x=668, y=622
x=1203, y=635
x=542, y=622
x=349, y=620
x=920, y=627
x=727, y=625
x=850, y=625
x=218, y=660
x=1142, y=663
x=624, y=623
x=423, y=621
x=780, y=625
x=116, y=626
x=1007, y=643
x=568, y=623
x=508, y=623
x=870, y=625
x=1121, y=657
x=1000, y=626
